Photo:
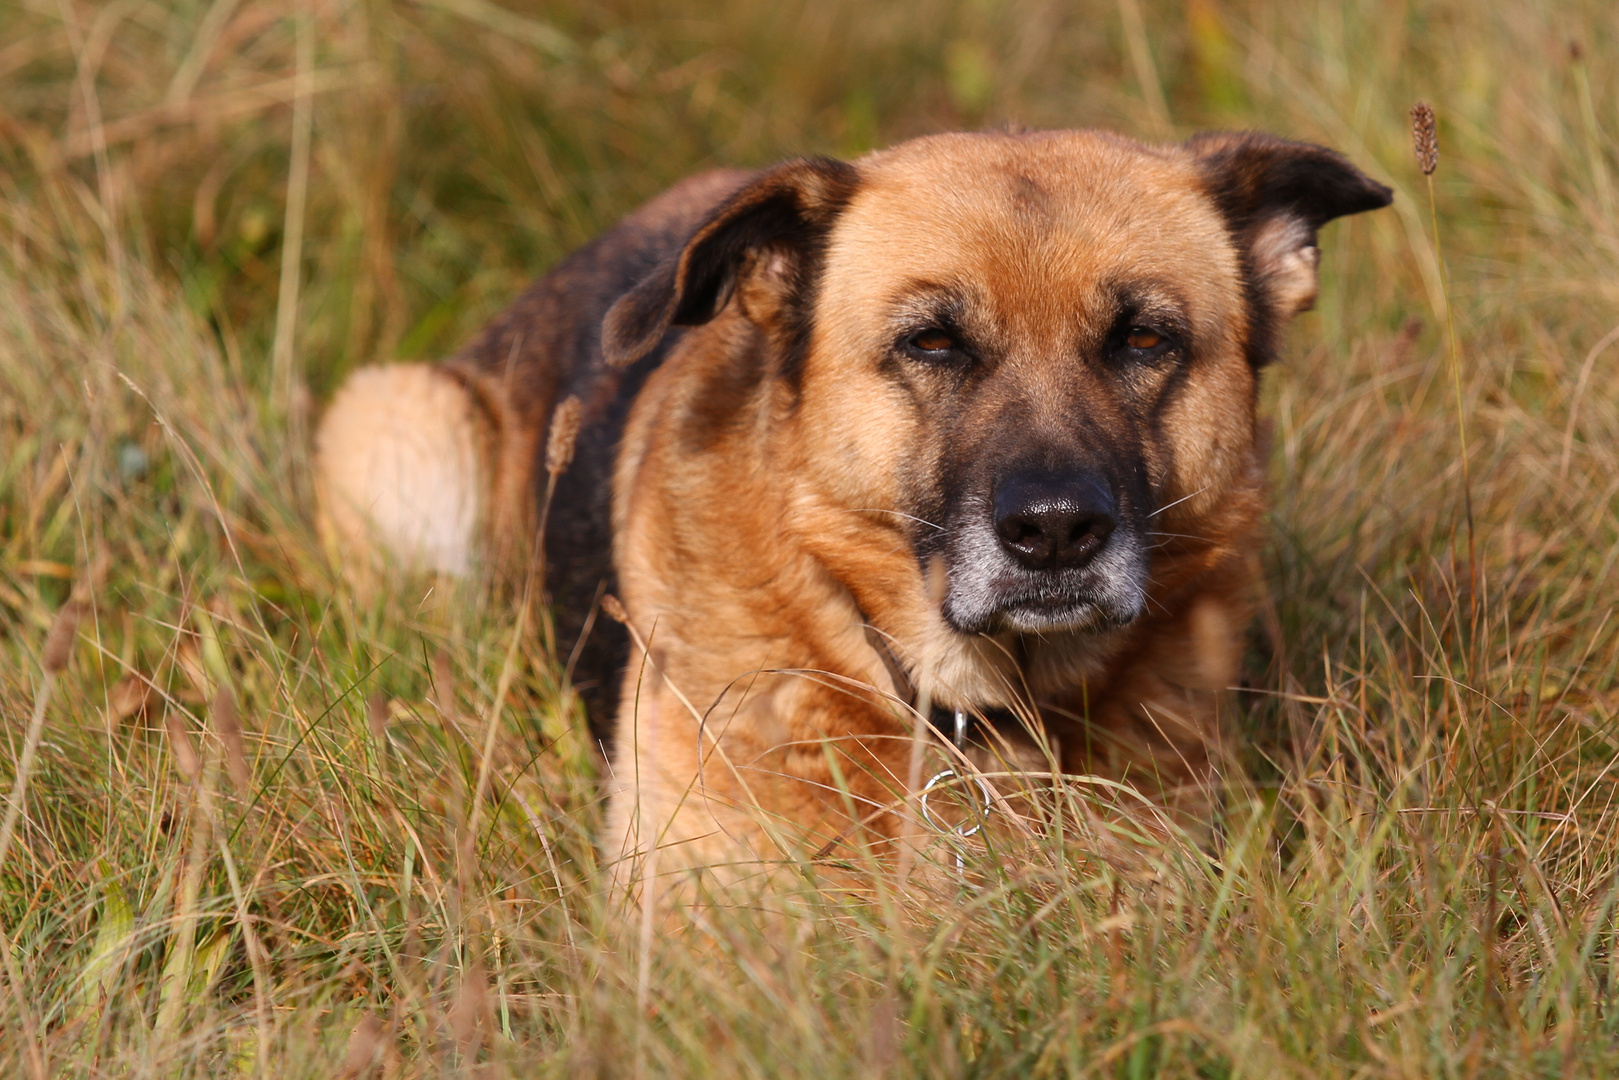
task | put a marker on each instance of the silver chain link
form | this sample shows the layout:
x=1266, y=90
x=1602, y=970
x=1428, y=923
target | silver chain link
x=960, y=833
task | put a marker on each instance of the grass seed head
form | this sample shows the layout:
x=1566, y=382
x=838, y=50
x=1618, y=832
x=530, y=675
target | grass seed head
x=365, y=1042
x=60, y=637
x=228, y=725
x=185, y=751
x=376, y=716
x=468, y=1013
x=1425, y=137
x=129, y=696
x=559, y=445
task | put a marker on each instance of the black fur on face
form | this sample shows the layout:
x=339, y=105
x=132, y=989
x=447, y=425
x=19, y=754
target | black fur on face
x=1039, y=494
x=990, y=589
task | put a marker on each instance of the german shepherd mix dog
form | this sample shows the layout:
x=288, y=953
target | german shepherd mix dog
x=966, y=425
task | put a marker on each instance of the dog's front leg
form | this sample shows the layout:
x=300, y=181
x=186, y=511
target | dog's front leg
x=679, y=810
x=729, y=797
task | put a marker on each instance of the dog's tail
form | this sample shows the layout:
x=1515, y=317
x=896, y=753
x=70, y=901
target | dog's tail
x=401, y=472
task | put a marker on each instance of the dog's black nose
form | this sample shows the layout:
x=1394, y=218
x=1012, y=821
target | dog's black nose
x=1048, y=521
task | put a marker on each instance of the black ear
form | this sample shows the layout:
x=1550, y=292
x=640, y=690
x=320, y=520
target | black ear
x=1275, y=194
x=786, y=211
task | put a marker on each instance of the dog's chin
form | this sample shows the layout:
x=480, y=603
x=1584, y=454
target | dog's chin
x=987, y=593
x=1045, y=616
x=1078, y=617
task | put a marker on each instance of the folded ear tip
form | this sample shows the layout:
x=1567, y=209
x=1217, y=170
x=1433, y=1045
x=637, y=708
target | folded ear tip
x=615, y=358
x=638, y=320
x=690, y=287
x=1369, y=195
x=1249, y=172
x=625, y=336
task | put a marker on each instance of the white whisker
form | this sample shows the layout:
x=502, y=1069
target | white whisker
x=896, y=513
x=1178, y=501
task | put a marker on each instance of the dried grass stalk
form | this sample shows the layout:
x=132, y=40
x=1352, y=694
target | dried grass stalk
x=376, y=716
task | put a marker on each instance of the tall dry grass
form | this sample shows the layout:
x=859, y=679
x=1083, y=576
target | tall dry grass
x=248, y=838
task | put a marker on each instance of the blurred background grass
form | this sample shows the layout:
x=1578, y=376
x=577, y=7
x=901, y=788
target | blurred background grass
x=260, y=833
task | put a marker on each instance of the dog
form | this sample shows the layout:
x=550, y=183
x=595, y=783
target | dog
x=966, y=427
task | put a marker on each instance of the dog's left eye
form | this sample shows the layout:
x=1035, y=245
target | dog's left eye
x=932, y=340
x=1137, y=341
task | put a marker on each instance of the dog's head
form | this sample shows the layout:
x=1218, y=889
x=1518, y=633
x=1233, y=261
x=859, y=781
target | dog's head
x=1035, y=356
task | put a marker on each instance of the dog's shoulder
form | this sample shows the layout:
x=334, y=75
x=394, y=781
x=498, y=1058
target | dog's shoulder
x=547, y=347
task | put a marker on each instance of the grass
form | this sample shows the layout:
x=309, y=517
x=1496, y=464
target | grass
x=252, y=842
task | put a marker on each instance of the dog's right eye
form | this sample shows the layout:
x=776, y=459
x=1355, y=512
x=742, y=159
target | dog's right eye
x=1143, y=338
x=932, y=342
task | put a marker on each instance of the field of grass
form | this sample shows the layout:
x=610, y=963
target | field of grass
x=257, y=827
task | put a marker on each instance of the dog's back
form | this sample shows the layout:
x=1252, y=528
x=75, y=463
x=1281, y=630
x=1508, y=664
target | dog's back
x=437, y=468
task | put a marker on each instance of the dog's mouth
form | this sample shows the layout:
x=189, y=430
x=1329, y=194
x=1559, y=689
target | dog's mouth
x=989, y=592
x=1092, y=614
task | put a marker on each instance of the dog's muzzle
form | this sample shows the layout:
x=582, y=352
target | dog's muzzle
x=1045, y=551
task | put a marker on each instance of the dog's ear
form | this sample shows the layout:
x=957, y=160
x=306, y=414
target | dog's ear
x=1275, y=194
x=775, y=225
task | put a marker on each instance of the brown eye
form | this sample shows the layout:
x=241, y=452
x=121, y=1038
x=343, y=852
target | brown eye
x=933, y=341
x=1143, y=338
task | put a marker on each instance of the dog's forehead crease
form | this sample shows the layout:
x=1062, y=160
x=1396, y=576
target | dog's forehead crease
x=1028, y=231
